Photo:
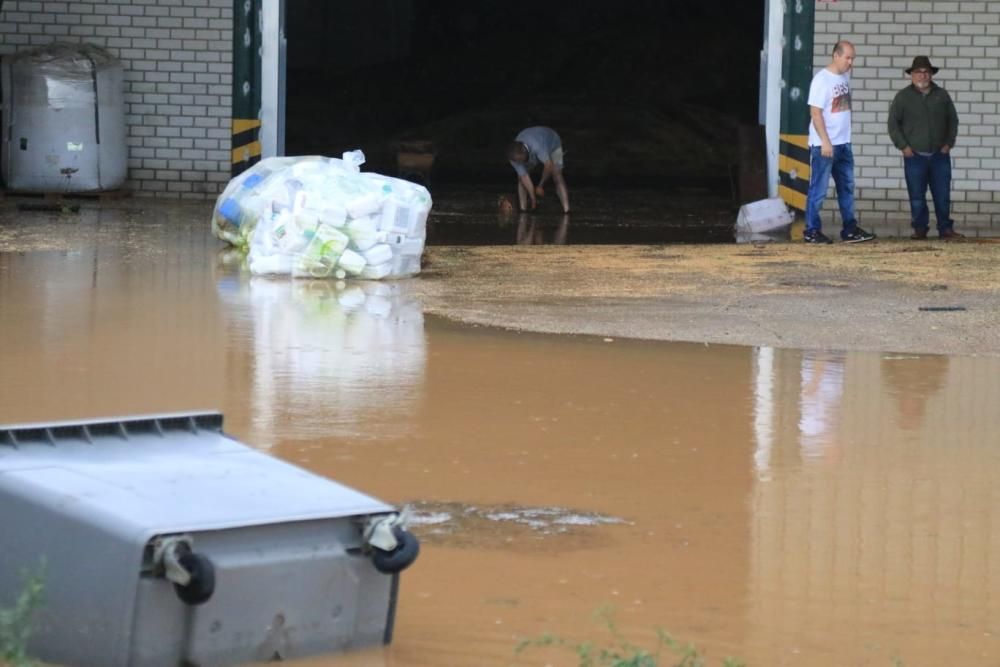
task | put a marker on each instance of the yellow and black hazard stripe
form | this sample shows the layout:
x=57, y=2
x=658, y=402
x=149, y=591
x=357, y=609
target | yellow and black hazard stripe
x=246, y=144
x=793, y=170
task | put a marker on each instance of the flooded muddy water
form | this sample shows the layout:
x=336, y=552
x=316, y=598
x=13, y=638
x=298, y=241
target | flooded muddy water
x=472, y=217
x=782, y=506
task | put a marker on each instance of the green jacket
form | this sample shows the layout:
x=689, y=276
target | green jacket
x=925, y=123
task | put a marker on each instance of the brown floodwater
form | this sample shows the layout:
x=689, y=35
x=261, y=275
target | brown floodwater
x=471, y=216
x=782, y=506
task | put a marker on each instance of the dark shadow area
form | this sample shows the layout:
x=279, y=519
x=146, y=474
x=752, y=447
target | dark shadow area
x=645, y=94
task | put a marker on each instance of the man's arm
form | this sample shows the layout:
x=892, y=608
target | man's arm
x=895, y=125
x=952, y=126
x=529, y=187
x=816, y=114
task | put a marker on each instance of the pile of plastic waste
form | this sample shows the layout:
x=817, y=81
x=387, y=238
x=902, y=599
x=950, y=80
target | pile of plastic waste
x=321, y=217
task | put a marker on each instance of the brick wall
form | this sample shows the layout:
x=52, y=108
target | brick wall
x=177, y=57
x=963, y=40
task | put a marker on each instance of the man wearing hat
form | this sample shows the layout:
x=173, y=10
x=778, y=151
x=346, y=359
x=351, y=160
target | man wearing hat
x=923, y=124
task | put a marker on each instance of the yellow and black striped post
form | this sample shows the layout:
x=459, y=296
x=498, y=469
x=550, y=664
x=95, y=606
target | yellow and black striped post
x=246, y=84
x=793, y=170
x=246, y=143
x=796, y=66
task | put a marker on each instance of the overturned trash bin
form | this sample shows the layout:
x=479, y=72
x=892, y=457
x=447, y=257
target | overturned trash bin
x=163, y=541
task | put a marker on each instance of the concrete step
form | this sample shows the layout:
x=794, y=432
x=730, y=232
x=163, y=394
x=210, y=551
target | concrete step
x=898, y=229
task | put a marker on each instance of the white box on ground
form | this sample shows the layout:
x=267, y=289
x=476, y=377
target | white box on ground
x=764, y=216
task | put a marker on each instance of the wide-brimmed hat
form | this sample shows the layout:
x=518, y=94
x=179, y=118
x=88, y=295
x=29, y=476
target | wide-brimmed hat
x=922, y=62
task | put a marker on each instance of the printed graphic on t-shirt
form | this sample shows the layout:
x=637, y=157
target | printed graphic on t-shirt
x=841, y=98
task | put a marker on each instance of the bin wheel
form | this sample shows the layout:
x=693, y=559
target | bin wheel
x=202, y=583
x=397, y=560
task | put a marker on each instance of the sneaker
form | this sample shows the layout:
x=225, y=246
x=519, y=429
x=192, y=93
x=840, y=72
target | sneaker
x=815, y=237
x=855, y=235
x=949, y=233
x=919, y=234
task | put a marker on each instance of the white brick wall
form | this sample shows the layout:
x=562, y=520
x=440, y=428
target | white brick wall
x=963, y=40
x=177, y=56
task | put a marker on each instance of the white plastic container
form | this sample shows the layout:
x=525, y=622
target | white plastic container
x=363, y=233
x=63, y=119
x=351, y=262
x=766, y=215
x=378, y=254
x=376, y=271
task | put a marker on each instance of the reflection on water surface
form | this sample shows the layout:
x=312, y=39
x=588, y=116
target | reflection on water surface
x=747, y=500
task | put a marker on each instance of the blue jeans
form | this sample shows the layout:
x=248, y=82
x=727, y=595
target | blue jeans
x=929, y=170
x=841, y=166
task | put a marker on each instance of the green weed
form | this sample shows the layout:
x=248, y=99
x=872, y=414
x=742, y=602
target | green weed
x=15, y=622
x=619, y=652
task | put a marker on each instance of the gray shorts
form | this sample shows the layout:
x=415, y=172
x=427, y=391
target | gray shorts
x=557, y=157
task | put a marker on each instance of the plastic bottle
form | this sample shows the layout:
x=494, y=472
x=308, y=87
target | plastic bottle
x=291, y=237
x=353, y=159
x=352, y=262
x=333, y=215
x=376, y=271
x=390, y=213
x=411, y=247
x=277, y=264
x=362, y=233
x=364, y=205
x=378, y=254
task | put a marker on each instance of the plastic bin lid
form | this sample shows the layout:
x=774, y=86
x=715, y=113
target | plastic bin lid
x=164, y=474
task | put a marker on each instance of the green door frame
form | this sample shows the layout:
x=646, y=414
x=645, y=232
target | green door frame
x=797, y=73
x=247, y=66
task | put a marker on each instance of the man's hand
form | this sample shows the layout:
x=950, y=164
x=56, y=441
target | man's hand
x=826, y=149
x=539, y=191
x=945, y=149
x=908, y=152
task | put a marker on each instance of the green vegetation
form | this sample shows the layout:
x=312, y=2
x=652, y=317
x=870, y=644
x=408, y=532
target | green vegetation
x=15, y=623
x=619, y=652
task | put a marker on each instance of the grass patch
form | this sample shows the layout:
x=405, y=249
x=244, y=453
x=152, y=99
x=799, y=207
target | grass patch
x=15, y=622
x=619, y=652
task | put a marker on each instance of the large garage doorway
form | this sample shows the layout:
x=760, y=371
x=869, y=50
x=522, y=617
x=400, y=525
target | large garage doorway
x=648, y=93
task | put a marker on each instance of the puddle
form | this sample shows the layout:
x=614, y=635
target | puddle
x=471, y=217
x=745, y=500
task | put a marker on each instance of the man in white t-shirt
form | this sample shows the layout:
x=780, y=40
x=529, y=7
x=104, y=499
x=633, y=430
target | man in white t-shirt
x=830, y=147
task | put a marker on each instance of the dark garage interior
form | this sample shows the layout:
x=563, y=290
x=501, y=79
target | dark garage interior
x=645, y=93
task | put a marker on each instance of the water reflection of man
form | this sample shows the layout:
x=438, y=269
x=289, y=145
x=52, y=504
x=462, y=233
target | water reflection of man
x=822, y=392
x=529, y=232
x=912, y=381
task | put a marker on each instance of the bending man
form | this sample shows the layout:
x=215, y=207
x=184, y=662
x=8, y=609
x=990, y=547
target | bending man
x=531, y=147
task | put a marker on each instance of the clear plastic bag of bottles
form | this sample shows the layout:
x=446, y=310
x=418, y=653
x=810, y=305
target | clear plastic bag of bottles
x=321, y=217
